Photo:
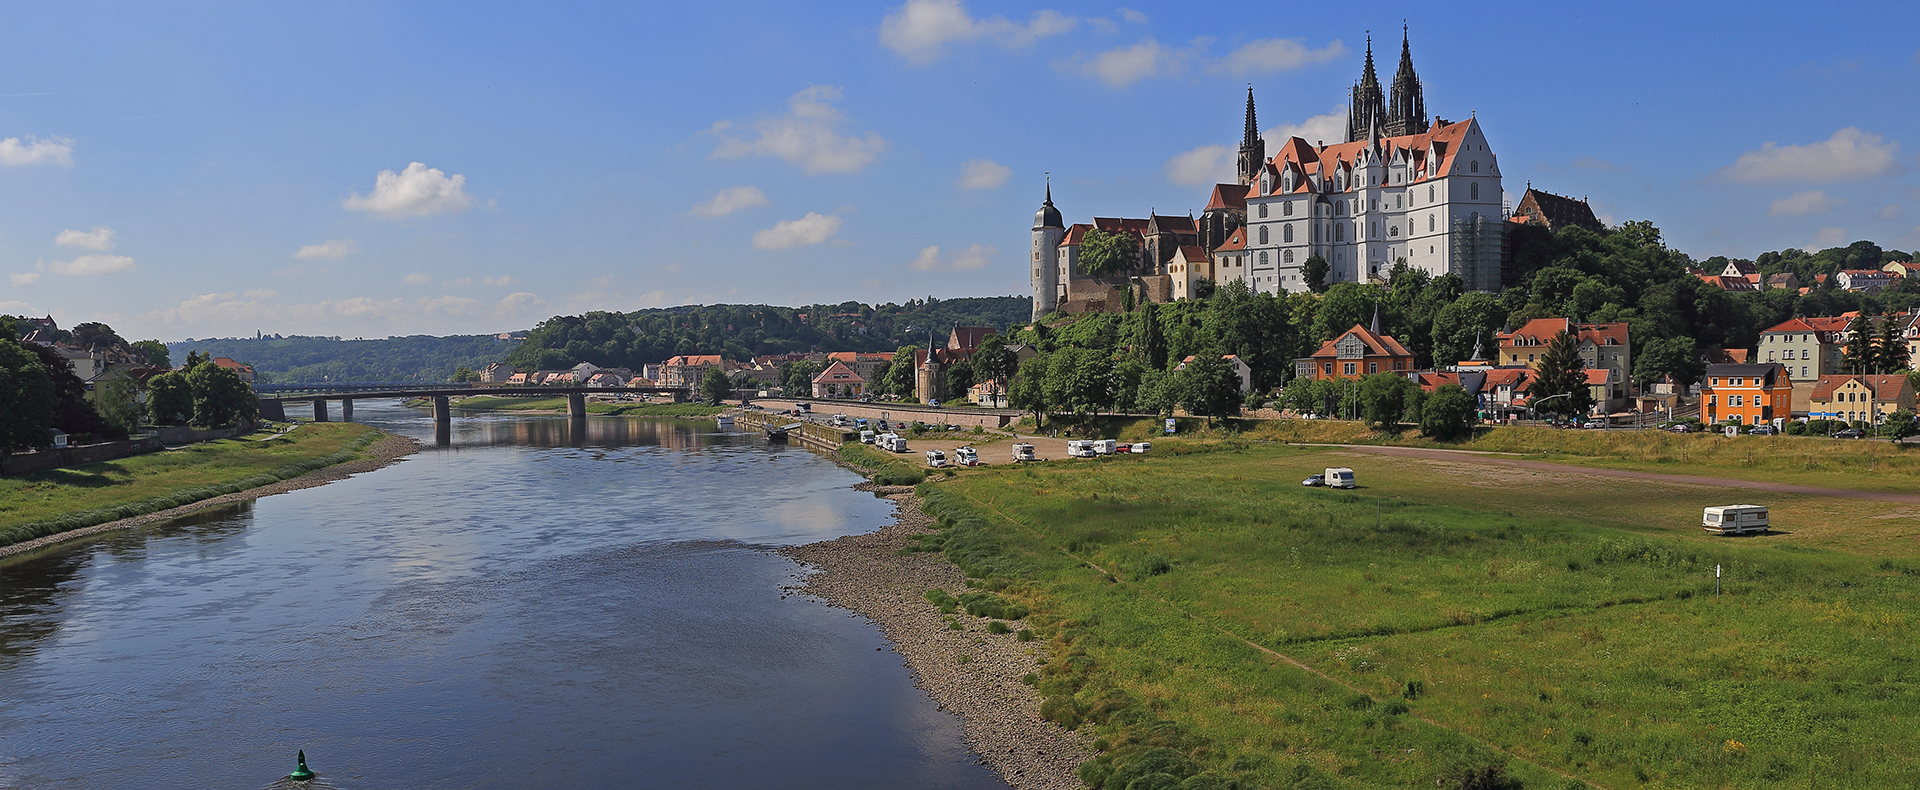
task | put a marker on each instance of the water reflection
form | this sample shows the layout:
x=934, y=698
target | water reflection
x=516, y=611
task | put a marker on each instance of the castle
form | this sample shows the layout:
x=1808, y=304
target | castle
x=1401, y=187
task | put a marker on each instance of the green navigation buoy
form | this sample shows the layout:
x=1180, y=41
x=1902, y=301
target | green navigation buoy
x=300, y=772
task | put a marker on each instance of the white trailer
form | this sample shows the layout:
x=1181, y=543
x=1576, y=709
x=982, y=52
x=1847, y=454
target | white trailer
x=1339, y=477
x=1022, y=452
x=1105, y=446
x=1734, y=519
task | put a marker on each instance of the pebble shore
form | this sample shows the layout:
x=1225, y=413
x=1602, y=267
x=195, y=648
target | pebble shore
x=384, y=451
x=867, y=575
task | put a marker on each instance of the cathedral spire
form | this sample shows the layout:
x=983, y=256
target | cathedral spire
x=1367, y=104
x=1253, y=149
x=1407, y=107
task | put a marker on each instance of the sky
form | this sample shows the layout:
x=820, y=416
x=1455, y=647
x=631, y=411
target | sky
x=367, y=169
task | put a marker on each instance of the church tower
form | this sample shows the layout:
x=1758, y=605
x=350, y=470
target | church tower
x=1253, y=149
x=1407, y=110
x=1365, y=105
x=1047, y=233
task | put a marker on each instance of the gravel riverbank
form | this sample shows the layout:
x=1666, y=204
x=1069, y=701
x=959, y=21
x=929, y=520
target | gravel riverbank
x=867, y=575
x=386, y=450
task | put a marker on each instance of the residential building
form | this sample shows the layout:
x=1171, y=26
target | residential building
x=1746, y=394
x=1866, y=399
x=1602, y=345
x=245, y=371
x=1732, y=284
x=1745, y=270
x=496, y=373
x=1357, y=352
x=839, y=381
x=1809, y=348
x=1230, y=260
x=1239, y=367
x=870, y=366
x=1505, y=391
x=685, y=370
x=1189, y=266
x=1787, y=280
x=1866, y=279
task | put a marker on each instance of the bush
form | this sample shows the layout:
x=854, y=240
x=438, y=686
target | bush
x=1448, y=415
x=985, y=604
x=899, y=477
x=997, y=627
x=1163, y=761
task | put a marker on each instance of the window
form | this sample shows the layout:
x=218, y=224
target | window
x=1286, y=233
x=1473, y=192
x=1373, y=230
x=1263, y=230
x=1803, y=371
x=1340, y=231
x=1373, y=205
x=1287, y=208
x=1396, y=201
x=1429, y=193
x=1373, y=367
x=1348, y=367
x=1733, y=400
x=1286, y=256
x=1263, y=259
x=1263, y=209
x=1474, y=166
x=1328, y=368
x=1429, y=223
x=1339, y=207
x=1393, y=230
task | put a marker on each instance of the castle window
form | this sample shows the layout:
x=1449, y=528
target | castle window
x=1286, y=256
x=1340, y=231
x=1263, y=234
x=1429, y=223
x=1263, y=209
x=1286, y=209
x=1263, y=259
x=1393, y=230
x=1373, y=205
x=1473, y=166
x=1396, y=201
x=1429, y=193
x=1286, y=233
x=1339, y=207
x=1473, y=192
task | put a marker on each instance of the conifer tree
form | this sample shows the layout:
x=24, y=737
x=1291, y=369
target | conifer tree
x=1562, y=377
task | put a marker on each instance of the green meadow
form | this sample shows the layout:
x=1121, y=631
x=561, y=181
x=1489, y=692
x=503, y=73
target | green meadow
x=1212, y=622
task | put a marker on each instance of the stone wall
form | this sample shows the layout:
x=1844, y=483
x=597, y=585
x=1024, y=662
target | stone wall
x=74, y=456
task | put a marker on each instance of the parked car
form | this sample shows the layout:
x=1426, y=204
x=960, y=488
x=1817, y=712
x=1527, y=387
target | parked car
x=1850, y=433
x=934, y=402
x=1122, y=449
x=1314, y=481
x=1763, y=430
x=1594, y=424
x=1680, y=427
x=1140, y=447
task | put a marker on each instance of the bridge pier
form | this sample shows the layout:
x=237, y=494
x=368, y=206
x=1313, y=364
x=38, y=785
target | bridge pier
x=319, y=409
x=442, y=421
x=346, y=410
x=576, y=405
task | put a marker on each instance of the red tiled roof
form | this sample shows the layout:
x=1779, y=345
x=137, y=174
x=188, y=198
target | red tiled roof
x=1192, y=254
x=1232, y=196
x=970, y=336
x=1377, y=345
x=1442, y=139
x=687, y=360
x=1883, y=387
x=1236, y=241
x=845, y=374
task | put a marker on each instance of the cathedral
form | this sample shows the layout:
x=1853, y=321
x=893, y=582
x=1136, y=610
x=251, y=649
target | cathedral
x=1400, y=187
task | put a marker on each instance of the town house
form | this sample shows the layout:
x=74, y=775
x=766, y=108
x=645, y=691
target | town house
x=1749, y=394
x=1866, y=399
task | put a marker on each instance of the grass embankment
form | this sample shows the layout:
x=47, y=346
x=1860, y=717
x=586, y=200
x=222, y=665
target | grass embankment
x=1443, y=612
x=884, y=468
x=59, y=500
x=492, y=403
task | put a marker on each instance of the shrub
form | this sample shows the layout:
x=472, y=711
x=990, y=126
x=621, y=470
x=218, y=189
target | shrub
x=980, y=603
x=997, y=627
x=1162, y=760
x=940, y=598
x=1025, y=634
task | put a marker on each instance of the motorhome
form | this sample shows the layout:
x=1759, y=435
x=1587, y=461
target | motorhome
x=895, y=443
x=1339, y=477
x=1022, y=452
x=1141, y=447
x=966, y=456
x=1734, y=519
x=936, y=459
x=1080, y=448
x=1104, y=446
x=866, y=437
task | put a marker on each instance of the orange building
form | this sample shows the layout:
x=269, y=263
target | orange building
x=1746, y=394
x=1356, y=352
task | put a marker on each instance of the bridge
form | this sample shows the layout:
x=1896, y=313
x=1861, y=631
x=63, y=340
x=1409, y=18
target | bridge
x=274, y=397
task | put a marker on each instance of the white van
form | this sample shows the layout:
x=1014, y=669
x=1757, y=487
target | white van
x=966, y=456
x=936, y=459
x=1080, y=448
x=1104, y=446
x=1734, y=519
x=866, y=437
x=1339, y=477
x=1022, y=452
x=1141, y=447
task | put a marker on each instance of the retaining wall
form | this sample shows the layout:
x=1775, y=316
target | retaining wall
x=74, y=456
x=966, y=417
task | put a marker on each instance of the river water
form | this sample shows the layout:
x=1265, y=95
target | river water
x=523, y=609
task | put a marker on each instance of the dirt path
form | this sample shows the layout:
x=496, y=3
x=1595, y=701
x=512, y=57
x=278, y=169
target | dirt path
x=1503, y=459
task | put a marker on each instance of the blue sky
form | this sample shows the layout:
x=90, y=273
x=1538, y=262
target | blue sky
x=209, y=169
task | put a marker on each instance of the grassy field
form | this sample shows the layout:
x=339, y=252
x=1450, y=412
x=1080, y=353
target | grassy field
x=1211, y=616
x=491, y=403
x=58, y=500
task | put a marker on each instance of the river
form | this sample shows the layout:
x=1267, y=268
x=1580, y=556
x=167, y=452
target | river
x=522, y=609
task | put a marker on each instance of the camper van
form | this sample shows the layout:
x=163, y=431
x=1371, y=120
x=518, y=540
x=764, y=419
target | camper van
x=866, y=437
x=891, y=442
x=1022, y=452
x=1141, y=447
x=1080, y=448
x=1339, y=477
x=1104, y=446
x=1734, y=519
x=936, y=459
x=966, y=456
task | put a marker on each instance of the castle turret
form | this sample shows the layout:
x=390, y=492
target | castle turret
x=1407, y=109
x=1365, y=104
x=1048, y=230
x=1253, y=149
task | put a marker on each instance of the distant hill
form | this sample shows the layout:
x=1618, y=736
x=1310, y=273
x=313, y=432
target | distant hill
x=281, y=360
x=743, y=331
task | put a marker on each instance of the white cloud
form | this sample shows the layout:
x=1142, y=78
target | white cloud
x=806, y=136
x=1208, y=164
x=416, y=278
x=983, y=174
x=417, y=191
x=921, y=30
x=1119, y=68
x=975, y=256
x=230, y=308
x=99, y=239
x=500, y=281
x=331, y=248
x=260, y=293
x=23, y=278
x=810, y=229
x=1803, y=204
x=730, y=200
x=87, y=265
x=1315, y=130
x=1826, y=238
x=1133, y=17
x=1849, y=154
x=34, y=151
x=1890, y=211
x=16, y=307
x=1269, y=55
x=520, y=304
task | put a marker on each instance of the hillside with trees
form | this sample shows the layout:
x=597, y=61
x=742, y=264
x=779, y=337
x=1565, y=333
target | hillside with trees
x=283, y=360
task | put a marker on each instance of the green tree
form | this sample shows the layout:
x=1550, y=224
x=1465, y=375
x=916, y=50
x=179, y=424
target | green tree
x=1343, y=306
x=1386, y=398
x=1150, y=338
x=27, y=399
x=1080, y=381
x=1158, y=392
x=994, y=362
x=1474, y=317
x=9, y=328
x=961, y=376
x=1448, y=415
x=1901, y=425
x=115, y=400
x=94, y=334
x=1253, y=327
x=1678, y=357
x=220, y=398
x=155, y=353
x=1858, y=353
x=169, y=399
x=195, y=359
x=797, y=378
x=1209, y=387
x=898, y=380
x=1562, y=377
x=73, y=412
x=1027, y=391
x=1314, y=272
x=1127, y=376
x=1103, y=253
x=465, y=374
x=1890, y=350
x=714, y=385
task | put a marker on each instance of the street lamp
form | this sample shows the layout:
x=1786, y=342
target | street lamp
x=1535, y=406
